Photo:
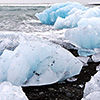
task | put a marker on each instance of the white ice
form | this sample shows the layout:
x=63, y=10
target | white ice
x=82, y=24
x=86, y=38
x=96, y=57
x=79, y=18
x=84, y=60
x=92, y=88
x=37, y=62
x=11, y=92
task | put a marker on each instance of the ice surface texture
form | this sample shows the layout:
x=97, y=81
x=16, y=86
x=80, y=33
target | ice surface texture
x=70, y=15
x=82, y=25
x=10, y=92
x=86, y=38
x=79, y=18
x=62, y=10
x=92, y=88
x=8, y=41
x=37, y=62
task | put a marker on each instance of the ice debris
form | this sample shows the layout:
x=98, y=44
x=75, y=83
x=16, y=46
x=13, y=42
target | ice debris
x=8, y=41
x=96, y=57
x=11, y=92
x=92, y=88
x=98, y=68
x=86, y=38
x=37, y=62
x=62, y=10
x=84, y=60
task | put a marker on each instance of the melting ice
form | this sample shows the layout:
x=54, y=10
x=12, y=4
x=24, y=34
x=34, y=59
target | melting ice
x=92, y=88
x=37, y=62
x=11, y=92
x=82, y=24
x=62, y=10
x=86, y=38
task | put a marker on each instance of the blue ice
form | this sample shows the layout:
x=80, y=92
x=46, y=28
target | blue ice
x=79, y=19
x=37, y=62
x=62, y=10
x=86, y=38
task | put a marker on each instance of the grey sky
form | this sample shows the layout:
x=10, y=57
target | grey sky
x=45, y=1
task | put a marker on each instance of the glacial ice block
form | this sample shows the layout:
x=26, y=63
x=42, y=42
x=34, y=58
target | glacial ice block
x=10, y=92
x=92, y=88
x=93, y=21
x=70, y=21
x=79, y=18
x=86, y=38
x=37, y=62
x=62, y=10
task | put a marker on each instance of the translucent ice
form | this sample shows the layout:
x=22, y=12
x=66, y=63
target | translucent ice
x=84, y=22
x=70, y=21
x=79, y=18
x=37, y=62
x=86, y=38
x=62, y=10
x=96, y=57
x=92, y=88
x=10, y=92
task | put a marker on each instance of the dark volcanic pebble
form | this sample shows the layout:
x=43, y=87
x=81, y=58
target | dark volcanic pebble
x=64, y=90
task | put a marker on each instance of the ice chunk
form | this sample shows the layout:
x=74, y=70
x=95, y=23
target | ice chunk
x=85, y=52
x=79, y=18
x=96, y=57
x=72, y=79
x=92, y=88
x=70, y=21
x=59, y=24
x=83, y=59
x=92, y=12
x=98, y=68
x=62, y=10
x=84, y=22
x=92, y=96
x=37, y=62
x=10, y=92
x=85, y=37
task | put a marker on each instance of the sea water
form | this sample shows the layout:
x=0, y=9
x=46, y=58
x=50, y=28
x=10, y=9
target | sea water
x=14, y=17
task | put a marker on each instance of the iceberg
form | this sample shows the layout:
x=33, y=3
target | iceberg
x=93, y=21
x=79, y=18
x=70, y=15
x=62, y=10
x=86, y=38
x=37, y=62
x=11, y=92
x=70, y=21
x=92, y=88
